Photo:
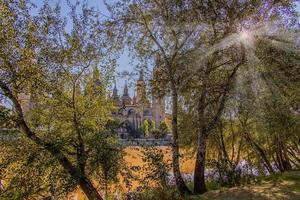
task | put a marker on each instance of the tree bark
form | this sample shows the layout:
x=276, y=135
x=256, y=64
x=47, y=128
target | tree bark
x=293, y=154
x=239, y=152
x=199, y=179
x=264, y=158
x=205, y=128
x=223, y=147
x=262, y=154
x=183, y=189
x=282, y=157
x=256, y=147
x=88, y=189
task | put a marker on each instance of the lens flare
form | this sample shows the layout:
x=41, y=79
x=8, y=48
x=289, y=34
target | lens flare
x=245, y=36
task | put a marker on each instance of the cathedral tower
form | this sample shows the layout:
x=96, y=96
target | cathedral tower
x=126, y=100
x=158, y=100
x=115, y=91
x=140, y=88
x=158, y=110
x=115, y=95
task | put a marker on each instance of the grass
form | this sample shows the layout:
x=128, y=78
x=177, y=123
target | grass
x=284, y=186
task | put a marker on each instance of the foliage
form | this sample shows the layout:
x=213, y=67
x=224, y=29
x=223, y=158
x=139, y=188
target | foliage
x=151, y=126
x=156, y=167
x=156, y=133
x=162, y=131
x=55, y=78
x=29, y=172
x=227, y=174
x=200, y=54
x=107, y=160
x=231, y=69
x=145, y=128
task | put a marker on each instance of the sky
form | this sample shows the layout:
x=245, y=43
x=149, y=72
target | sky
x=123, y=62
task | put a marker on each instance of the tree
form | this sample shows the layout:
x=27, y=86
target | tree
x=53, y=67
x=181, y=32
x=151, y=126
x=145, y=128
x=156, y=166
x=224, y=59
x=163, y=129
x=107, y=160
x=159, y=30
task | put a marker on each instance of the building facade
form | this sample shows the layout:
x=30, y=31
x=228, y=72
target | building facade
x=132, y=112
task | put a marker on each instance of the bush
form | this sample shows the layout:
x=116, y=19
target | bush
x=161, y=132
x=213, y=185
x=156, y=133
x=163, y=129
x=225, y=173
x=156, y=168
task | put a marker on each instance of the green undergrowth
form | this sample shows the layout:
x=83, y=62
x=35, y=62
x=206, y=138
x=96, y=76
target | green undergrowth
x=283, y=186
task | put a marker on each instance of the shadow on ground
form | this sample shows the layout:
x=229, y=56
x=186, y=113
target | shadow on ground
x=279, y=187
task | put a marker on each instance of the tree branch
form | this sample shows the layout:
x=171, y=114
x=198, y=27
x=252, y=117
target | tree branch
x=50, y=147
x=217, y=116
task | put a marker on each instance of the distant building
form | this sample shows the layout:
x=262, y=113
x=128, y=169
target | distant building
x=132, y=112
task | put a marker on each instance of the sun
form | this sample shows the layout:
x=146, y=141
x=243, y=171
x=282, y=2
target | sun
x=245, y=36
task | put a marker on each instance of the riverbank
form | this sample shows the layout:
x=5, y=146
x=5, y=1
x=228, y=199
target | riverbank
x=285, y=186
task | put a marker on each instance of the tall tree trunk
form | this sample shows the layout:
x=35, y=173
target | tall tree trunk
x=258, y=149
x=232, y=140
x=223, y=147
x=287, y=163
x=88, y=189
x=275, y=161
x=293, y=154
x=199, y=179
x=239, y=152
x=283, y=158
x=183, y=189
x=263, y=157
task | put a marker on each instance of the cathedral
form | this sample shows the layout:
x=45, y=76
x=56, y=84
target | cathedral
x=132, y=112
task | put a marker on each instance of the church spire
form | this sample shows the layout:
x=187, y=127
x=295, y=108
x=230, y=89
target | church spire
x=125, y=89
x=134, y=99
x=126, y=100
x=140, y=88
x=115, y=90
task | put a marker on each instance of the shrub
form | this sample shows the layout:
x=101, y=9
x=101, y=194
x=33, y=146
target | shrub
x=156, y=167
x=226, y=174
x=161, y=132
x=156, y=133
